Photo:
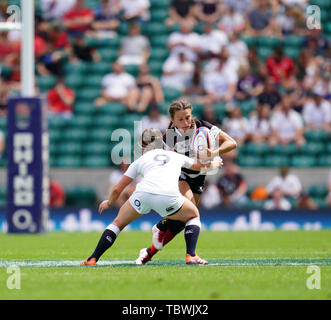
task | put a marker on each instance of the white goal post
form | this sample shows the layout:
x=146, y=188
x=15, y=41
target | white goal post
x=27, y=48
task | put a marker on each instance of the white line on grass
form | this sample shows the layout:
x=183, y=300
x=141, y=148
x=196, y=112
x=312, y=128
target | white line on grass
x=110, y=263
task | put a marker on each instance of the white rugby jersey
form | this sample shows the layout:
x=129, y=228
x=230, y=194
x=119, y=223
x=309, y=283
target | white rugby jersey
x=160, y=170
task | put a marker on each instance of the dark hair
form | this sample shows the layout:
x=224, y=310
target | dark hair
x=178, y=105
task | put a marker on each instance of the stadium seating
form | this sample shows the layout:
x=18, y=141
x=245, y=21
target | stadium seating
x=84, y=140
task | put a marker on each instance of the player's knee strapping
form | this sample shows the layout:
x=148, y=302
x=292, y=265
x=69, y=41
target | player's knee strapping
x=171, y=229
x=173, y=226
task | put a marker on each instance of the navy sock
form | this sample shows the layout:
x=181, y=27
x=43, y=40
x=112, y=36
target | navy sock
x=106, y=241
x=191, y=238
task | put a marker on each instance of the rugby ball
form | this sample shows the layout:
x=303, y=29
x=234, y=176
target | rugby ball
x=203, y=140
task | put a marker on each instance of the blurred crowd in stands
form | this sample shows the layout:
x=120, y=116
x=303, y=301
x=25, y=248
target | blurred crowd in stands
x=220, y=68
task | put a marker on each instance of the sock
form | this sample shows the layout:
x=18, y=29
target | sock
x=192, y=230
x=171, y=229
x=106, y=241
x=151, y=251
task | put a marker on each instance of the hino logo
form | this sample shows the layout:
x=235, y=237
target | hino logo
x=23, y=182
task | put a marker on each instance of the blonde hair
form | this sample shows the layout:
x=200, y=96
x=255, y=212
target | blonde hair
x=152, y=139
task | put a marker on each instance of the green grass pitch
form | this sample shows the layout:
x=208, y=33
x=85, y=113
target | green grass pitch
x=243, y=265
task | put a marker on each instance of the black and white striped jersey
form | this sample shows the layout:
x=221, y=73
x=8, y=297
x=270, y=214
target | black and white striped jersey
x=175, y=139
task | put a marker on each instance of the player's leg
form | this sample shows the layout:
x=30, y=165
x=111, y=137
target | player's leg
x=165, y=230
x=126, y=215
x=189, y=214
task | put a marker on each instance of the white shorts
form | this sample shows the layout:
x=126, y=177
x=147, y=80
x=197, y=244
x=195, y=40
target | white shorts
x=144, y=202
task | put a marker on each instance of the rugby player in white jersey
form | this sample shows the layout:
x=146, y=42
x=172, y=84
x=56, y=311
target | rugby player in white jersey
x=179, y=137
x=158, y=191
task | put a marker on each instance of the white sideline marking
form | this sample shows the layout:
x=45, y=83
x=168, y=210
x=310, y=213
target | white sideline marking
x=57, y=263
x=109, y=263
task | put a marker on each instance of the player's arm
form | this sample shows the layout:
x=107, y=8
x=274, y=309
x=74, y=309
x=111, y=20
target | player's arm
x=115, y=193
x=205, y=167
x=216, y=163
x=226, y=144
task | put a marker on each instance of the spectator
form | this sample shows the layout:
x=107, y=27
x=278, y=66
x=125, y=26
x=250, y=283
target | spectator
x=260, y=21
x=155, y=119
x=258, y=68
x=118, y=86
x=278, y=201
x=328, y=197
x=83, y=52
x=181, y=11
x=232, y=186
x=184, y=41
x=78, y=20
x=286, y=21
x=136, y=10
x=209, y=115
x=106, y=19
x=306, y=202
x=56, y=9
x=259, y=124
x=220, y=80
x=210, y=198
x=59, y=38
x=236, y=125
x=280, y=67
x=317, y=111
x=231, y=21
x=150, y=89
x=298, y=93
x=270, y=95
x=287, y=125
x=207, y=11
x=51, y=62
x=3, y=11
x=7, y=47
x=177, y=72
x=237, y=48
x=57, y=194
x=211, y=41
x=135, y=48
x=115, y=177
x=195, y=92
x=288, y=183
x=61, y=99
x=242, y=6
x=249, y=85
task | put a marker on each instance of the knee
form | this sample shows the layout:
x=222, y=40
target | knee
x=194, y=215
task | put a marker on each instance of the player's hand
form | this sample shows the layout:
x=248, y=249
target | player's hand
x=104, y=205
x=218, y=162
